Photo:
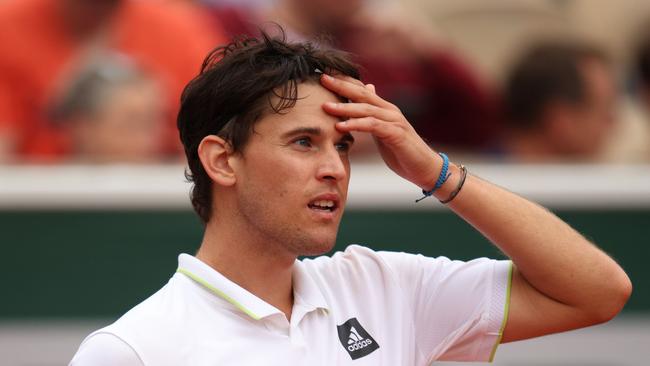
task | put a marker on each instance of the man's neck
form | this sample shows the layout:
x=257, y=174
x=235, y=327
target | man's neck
x=251, y=263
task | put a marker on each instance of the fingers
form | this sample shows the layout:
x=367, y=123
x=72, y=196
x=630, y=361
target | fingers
x=349, y=79
x=352, y=80
x=354, y=90
x=366, y=112
x=380, y=129
x=357, y=110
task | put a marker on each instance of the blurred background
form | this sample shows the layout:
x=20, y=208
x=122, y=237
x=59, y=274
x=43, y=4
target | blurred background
x=548, y=98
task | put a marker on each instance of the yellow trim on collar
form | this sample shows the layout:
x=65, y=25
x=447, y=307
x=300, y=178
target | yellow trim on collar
x=217, y=292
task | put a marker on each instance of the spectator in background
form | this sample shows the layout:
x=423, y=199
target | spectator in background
x=637, y=129
x=43, y=41
x=113, y=112
x=444, y=99
x=559, y=103
x=630, y=138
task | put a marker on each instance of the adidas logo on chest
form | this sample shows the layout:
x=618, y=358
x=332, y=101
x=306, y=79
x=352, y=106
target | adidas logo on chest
x=356, y=340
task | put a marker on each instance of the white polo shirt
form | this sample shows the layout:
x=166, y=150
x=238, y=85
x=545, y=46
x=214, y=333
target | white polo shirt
x=358, y=307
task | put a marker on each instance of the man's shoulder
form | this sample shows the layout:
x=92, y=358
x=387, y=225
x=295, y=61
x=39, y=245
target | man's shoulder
x=114, y=344
x=352, y=253
x=158, y=317
x=105, y=348
x=355, y=255
x=359, y=262
x=354, y=264
x=154, y=314
x=150, y=310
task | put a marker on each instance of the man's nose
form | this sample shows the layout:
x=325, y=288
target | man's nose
x=332, y=165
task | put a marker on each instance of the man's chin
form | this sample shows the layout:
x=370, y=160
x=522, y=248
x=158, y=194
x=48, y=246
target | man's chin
x=318, y=248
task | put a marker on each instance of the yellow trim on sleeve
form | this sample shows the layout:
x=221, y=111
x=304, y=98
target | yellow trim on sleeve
x=506, y=309
x=217, y=292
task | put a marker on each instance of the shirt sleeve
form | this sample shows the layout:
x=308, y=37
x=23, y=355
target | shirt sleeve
x=105, y=349
x=459, y=308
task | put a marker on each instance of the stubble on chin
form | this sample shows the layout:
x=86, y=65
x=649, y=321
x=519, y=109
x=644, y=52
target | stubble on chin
x=277, y=235
x=313, y=248
x=299, y=242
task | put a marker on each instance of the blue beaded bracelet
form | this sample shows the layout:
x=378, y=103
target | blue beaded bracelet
x=442, y=178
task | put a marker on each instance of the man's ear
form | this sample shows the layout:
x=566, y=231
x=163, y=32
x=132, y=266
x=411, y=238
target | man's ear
x=214, y=153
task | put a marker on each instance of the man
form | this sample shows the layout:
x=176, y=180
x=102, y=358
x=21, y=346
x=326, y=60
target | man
x=266, y=127
x=560, y=103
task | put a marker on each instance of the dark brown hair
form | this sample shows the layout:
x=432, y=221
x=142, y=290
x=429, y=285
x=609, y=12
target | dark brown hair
x=547, y=72
x=238, y=83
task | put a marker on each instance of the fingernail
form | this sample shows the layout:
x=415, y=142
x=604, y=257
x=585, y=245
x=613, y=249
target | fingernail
x=327, y=77
x=342, y=123
x=331, y=104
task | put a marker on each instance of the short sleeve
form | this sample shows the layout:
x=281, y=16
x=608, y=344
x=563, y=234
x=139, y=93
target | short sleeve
x=459, y=308
x=105, y=349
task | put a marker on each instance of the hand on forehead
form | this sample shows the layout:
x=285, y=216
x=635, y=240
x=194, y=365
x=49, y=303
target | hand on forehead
x=349, y=88
x=400, y=146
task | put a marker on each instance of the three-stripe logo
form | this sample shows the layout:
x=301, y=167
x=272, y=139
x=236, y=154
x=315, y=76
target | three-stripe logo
x=356, y=341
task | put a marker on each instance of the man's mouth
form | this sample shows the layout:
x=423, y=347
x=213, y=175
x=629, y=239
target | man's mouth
x=323, y=205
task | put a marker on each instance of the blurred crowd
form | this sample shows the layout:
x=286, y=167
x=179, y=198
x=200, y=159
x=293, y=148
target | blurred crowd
x=100, y=81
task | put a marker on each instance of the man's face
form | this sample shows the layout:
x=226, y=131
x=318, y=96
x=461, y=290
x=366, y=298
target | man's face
x=126, y=127
x=292, y=176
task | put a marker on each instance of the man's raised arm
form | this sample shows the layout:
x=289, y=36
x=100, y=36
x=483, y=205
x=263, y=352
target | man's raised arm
x=560, y=282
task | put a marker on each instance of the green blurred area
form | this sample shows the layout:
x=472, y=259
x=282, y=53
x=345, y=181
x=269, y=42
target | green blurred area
x=81, y=264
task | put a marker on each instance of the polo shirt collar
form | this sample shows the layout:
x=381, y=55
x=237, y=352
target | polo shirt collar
x=224, y=288
x=306, y=291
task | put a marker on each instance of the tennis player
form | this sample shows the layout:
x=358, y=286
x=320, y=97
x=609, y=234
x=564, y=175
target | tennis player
x=267, y=129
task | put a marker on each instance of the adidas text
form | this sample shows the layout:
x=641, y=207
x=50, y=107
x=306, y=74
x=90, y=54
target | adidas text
x=359, y=345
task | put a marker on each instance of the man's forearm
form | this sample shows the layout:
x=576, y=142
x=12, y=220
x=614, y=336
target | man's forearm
x=554, y=258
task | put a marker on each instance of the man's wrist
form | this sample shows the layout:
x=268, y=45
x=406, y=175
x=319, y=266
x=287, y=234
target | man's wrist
x=444, y=173
x=429, y=181
x=462, y=177
x=445, y=191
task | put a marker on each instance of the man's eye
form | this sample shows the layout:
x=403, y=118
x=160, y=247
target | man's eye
x=304, y=141
x=343, y=146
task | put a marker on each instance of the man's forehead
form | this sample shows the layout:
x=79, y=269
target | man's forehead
x=306, y=115
x=305, y=90
x=309, y=98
